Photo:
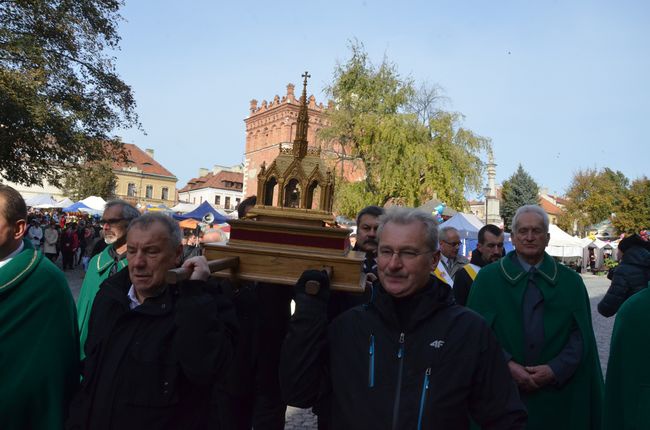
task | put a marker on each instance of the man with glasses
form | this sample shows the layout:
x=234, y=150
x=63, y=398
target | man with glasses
x=114, y=222
x=539, y=311
x=488, y=250
x=410, y=358
x=450, y=261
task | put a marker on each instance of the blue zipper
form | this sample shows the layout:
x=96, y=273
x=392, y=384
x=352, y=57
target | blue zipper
x=398, y=389
x=425, y=388
x=371, y=362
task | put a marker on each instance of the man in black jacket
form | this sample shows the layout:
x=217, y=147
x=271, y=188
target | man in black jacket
x=154, y=351
x=630, y=277
x=410, y=358
x=488, y=250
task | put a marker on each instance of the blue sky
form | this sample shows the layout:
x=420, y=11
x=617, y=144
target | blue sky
x=557, y=85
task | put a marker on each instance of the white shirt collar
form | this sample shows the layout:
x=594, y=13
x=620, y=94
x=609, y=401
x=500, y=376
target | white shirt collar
x=446, y=259
x=133, y=298
x=8, y=258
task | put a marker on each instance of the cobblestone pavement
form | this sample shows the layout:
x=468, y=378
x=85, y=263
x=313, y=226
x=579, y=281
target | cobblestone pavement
x=303, y=419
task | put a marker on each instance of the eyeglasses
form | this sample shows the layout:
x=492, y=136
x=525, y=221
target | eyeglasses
x=453, y=244
x=111, y=221
x=402, y=254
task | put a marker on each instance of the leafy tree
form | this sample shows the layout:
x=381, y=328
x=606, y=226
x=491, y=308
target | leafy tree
x=410, y=150
x=60, y=95
x=633, y=212
x=91, y=179
x=592, y=197
x=518, y=190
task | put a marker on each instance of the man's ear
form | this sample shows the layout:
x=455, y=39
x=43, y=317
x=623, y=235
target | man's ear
x=179, y=254
x=20, y=228
x=435, y=258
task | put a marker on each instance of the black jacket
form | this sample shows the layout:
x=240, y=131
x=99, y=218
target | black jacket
x=630, y=277
x=155, y=366
x=442, y=368
x=463, y=282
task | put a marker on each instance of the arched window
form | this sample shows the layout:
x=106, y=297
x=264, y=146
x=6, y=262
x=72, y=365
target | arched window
x=313, y=196
x=292, y=194
x=269, y=191
x=149, y=191
x=164, y=194
x=130, y=190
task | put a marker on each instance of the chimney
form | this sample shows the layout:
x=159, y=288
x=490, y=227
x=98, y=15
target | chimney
x=203, y=171
x=149, y=152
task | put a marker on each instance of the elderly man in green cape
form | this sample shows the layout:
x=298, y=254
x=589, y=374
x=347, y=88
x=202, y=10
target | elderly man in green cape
x=539, y=311
x=116, y=218
x=39, y=346
x=627, y=387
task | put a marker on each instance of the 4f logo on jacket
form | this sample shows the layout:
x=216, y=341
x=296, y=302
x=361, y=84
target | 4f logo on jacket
x=437, y=343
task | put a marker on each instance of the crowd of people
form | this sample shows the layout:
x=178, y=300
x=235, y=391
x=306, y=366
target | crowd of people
x=74, y=239
x=436, y=341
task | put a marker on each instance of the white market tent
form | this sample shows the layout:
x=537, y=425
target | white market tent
x=94, y=202
x=599, y=248
x=41, y=200
x=64, y=203
x=184, y=207
x=562, y=244
x=468, y=226
x=57, y=205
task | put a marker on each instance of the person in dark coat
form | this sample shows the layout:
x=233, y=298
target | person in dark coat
x=155, y=352
x=411, y=358
x=263, y=312
x=630, y=276
x=69, y=245
x=488, y=250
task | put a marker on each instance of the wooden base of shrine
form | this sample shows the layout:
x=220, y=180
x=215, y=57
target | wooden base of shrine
x=280, y=265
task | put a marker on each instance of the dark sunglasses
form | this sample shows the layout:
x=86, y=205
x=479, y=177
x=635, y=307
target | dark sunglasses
x=111, y=221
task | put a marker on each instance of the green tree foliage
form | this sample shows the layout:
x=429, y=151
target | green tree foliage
x=592, y=197
x=518, y=190
x=633, y=212
x=410, y=151
x=60, y=95
x=91, y=179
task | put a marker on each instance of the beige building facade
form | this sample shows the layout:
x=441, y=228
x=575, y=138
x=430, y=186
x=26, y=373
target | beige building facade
x=142, y=180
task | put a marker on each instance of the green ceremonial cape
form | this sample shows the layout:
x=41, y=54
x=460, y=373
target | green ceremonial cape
x=627, y=388
x=39, y=343
x=497, y=294
x=99, y=268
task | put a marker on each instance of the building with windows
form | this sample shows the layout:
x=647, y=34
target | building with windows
x=222, y=187
x=141, y=180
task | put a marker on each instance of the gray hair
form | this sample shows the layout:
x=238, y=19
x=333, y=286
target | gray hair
x=445, y=230
x=535, y=209
x=145, y=221
x=406, y=216
x=129, y=212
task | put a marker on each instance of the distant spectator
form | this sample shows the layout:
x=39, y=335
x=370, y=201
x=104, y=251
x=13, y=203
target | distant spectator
x=630, y=277
x=50, y=240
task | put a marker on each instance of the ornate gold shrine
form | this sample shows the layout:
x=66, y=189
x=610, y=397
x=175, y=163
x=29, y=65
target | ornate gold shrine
x=292, y=228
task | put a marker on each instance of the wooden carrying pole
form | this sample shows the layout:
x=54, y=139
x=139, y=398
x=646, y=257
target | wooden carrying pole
x=285, y=266
x=174, y=276
x=230, y=267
